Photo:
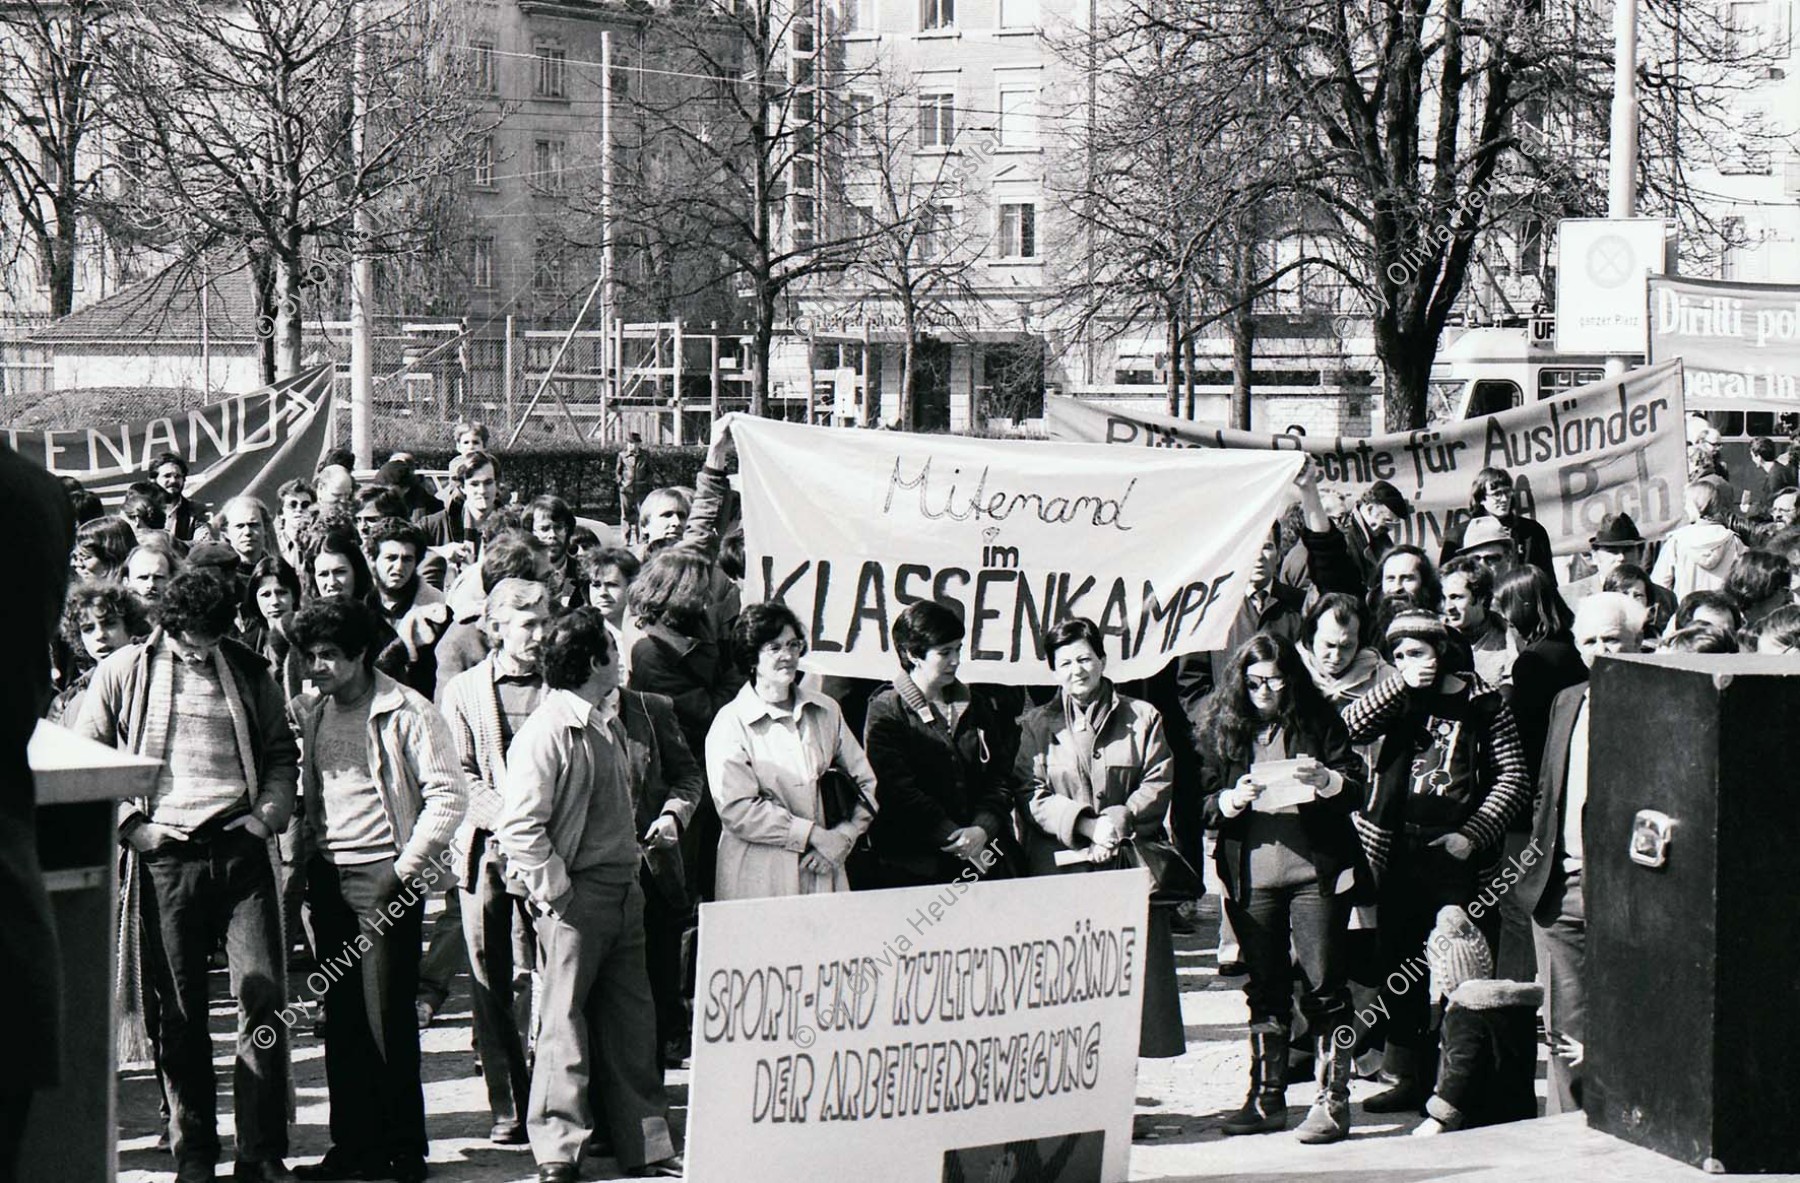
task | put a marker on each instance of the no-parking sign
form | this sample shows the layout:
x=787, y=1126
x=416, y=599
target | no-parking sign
x=1603, y=267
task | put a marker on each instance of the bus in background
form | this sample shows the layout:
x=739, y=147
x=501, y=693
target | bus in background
x=1488, y=370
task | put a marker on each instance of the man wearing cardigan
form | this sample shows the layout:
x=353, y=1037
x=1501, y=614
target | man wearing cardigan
x=485, y=706
x=383, y=795
x=209, y=709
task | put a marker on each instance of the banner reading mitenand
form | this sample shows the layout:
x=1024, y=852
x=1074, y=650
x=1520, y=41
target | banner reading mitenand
x=849, y=527
x=1739, y=343
x=975, y=1031
x=247, y=443
x=1610, y=447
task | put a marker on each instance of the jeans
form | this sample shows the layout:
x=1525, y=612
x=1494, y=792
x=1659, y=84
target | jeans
x=371, y=1028
x=1312, y=926
x=194, y=892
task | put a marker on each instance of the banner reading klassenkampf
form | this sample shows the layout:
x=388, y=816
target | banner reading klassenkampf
x=849, y=527
x=245, y=444
x=1739, y=343
x=1618, y=446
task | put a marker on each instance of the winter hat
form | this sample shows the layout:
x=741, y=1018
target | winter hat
x=1418, y=625
x=214, y=554
x=1456, y=952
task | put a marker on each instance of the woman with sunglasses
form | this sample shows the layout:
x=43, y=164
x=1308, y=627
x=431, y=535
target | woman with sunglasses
x=1288, y=869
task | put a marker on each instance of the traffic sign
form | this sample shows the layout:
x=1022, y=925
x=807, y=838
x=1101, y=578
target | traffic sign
x=1603, y=265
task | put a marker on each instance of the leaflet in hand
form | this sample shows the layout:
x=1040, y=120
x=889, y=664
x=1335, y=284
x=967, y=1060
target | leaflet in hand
x=1282, y=788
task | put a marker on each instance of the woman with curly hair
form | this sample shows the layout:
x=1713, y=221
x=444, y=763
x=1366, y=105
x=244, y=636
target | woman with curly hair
x=1288, y=870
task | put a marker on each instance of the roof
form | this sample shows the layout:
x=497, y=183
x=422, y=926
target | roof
x=167, y=307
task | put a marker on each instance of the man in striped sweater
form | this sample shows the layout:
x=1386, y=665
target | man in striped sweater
x=383, y=795
x=1450, y=775
x=485, y=707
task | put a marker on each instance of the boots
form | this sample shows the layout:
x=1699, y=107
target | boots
x=1265, y=1109
x=1329, y=1118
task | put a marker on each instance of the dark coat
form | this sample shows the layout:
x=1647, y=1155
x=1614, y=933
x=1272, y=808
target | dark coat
x=1487, y=1067
x=1543, y=670
x=665, y=778
x=691, y=670
x=40, y=531
x=1540, y=886
x=933, y=783
x=1341, y=559
x=1326, y=821
x=1530, y=539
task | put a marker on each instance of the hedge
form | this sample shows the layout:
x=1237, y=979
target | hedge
x=582, y=477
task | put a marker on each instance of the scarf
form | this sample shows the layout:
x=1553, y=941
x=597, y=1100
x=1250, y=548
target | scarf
x=1352, y=684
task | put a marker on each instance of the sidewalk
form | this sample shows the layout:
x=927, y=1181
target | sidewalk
x=1179, y=1105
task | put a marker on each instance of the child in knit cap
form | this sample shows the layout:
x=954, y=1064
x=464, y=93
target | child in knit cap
x=1487, y=1065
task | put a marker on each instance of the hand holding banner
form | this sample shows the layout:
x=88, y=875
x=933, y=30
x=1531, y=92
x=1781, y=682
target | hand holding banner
x=848, y=528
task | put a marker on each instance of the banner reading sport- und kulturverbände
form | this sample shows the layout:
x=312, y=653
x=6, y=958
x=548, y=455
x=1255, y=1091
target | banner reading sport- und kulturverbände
x=1739, y=343
x=1614, y=446
x=849, y=527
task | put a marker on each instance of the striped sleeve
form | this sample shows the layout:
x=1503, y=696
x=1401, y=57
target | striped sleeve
x=1368, y=717
x=1377, y=843
x=442, y=789
x=1509, y=784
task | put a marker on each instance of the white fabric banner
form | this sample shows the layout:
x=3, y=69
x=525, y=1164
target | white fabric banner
x=849, y=527
x=973, y=1031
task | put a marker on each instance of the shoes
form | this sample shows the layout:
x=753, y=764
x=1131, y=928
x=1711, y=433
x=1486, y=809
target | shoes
x=557, y=1172
x=1233, y=969
x=507, y=1133
x=342, y=1164
x=426, y=1013
x=272, y=1171
x=1407, y=1096
x=195, y=1171
x=662, y=1168
x=1265, y=1108
x=675, y=1053
x=406, y=1168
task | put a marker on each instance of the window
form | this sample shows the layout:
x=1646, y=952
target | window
x=487, y=68
x=803, y=210
x=547, y=165
x=1018, y=14
x=937, y=120
x=552, y=72
x=484, y=161
x=859, y=16
x=803, y=37
x=857, y=125
x=1018, y=230
x=621, y=75
x=804, y=107
x=49, y=166
x=803, y=174
x=1018, y=117
x=862, y=219
x=937, y=14
x=1745, y=24
x=481, y=262
x=935, y=224
x=548, y=271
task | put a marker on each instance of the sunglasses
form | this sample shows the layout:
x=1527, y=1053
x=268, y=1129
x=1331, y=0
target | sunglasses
x=1255, y=684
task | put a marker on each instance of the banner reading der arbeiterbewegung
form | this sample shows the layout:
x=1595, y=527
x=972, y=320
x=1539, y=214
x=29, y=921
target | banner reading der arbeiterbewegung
x=849, y=527
x=1618, y=446
x=975, y=1031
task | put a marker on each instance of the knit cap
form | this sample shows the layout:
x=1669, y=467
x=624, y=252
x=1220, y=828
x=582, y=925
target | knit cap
x=1456, y=952
x=1419, y=625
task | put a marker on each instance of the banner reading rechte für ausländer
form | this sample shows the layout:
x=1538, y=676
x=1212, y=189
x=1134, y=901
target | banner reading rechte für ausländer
x=1739, y=343
x=1618, y=446
x=849, y=527
x=974, y=1031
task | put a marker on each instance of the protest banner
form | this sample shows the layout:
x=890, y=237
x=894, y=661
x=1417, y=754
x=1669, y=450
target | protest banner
x=916, y=1035
x=1614, y=446
x=1739, y=343
x=248, y=443
x=849, y=527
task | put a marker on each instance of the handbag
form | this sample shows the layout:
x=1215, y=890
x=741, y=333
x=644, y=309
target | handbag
x=1174, y=878
x=839, y=795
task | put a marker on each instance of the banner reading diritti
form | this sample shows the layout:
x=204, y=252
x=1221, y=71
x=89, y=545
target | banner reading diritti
x=848, y=528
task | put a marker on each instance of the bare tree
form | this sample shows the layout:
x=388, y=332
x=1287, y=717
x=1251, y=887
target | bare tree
x=242, y=117
x=732, y=165
x=49, y=69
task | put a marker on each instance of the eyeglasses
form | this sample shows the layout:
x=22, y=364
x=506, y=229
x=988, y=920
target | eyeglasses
x=1254, y=685
x=794, y=647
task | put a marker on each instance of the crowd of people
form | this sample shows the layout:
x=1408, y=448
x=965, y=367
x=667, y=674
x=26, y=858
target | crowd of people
x=371, y=693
